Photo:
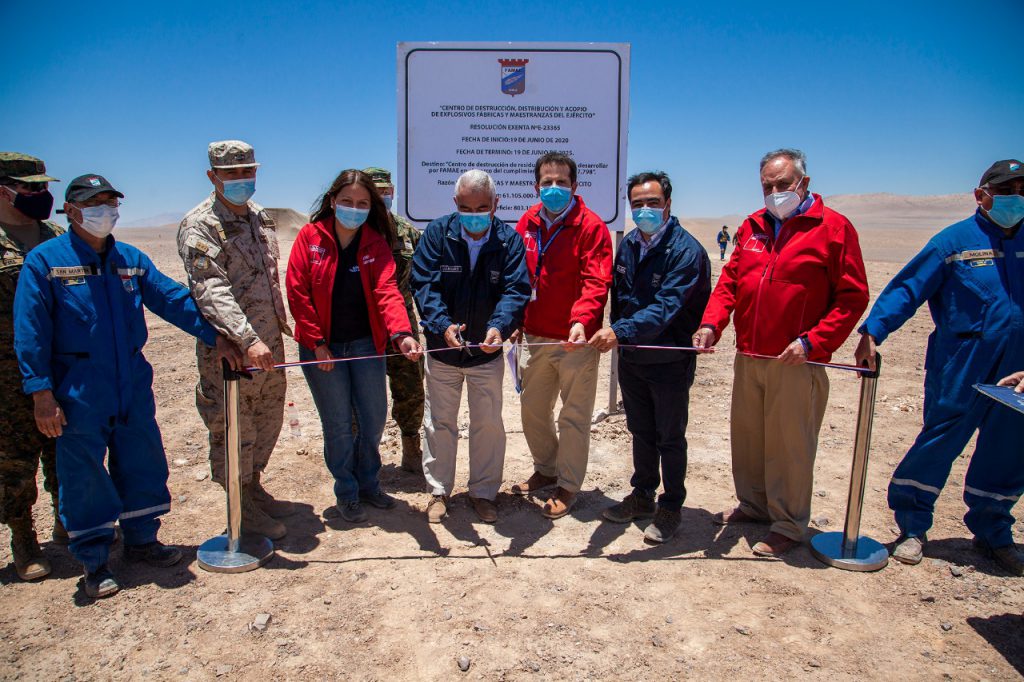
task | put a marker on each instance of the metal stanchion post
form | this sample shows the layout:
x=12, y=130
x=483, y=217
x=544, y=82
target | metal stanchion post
x=234, y=552
x=850, y=550
x=613, y=375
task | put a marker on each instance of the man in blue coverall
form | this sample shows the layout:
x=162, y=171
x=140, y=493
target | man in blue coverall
x=79, y=333
x=661, y=286
x=972, y=276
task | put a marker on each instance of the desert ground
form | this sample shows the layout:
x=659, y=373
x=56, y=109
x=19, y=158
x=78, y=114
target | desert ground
x=527, y=598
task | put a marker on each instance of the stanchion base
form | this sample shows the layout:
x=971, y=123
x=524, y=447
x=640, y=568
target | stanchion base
x=870, y=555
x=253, y=551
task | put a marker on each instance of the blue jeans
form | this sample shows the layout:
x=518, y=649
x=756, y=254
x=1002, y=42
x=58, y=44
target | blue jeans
x=350, y=389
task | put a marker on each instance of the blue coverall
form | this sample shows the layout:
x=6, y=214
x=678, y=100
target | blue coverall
x=79, y=331
x=972, y=276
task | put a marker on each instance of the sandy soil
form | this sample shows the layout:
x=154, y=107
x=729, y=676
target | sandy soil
x=526, y=598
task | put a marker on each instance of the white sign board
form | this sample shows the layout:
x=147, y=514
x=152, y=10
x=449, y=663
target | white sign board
x=499, y=106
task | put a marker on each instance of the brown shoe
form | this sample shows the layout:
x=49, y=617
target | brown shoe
x=485, y=509
x=29, y=561
x=437, y=508
x=774, y=544
x=412, y=455
x=534, y=484
x=273, y=507
x=255, y=520
x=560, y=504
x=736, y=515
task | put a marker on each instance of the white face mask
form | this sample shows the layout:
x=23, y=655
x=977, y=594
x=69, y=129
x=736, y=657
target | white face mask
x=783, y=204
x=99, y=221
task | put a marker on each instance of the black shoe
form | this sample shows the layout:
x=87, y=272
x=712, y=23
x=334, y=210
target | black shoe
x=1008, y=558
x=101, y=584
x=664, y=526
x=633, y=506
x=352, y=512
x=153, y=553
x=378, y=500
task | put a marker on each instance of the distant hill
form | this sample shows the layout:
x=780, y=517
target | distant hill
x=158, y=220
x=288, y=221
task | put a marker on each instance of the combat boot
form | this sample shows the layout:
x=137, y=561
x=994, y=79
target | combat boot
x=29, y=560
x=412, y=454
x=265, y=501
x=255, y=520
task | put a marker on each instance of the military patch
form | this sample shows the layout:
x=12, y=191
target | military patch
x=194, y=241
x=201, y=262
x=71, y=272
x=13, y=258
x=72, y=281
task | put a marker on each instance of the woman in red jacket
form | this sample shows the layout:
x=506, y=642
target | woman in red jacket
x=345, y=301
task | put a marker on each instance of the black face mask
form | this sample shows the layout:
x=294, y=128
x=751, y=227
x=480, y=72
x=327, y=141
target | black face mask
x=36, y=205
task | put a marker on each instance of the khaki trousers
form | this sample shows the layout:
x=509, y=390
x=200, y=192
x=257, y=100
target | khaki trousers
x=486, y=429
x=777, y=412
x=550, y=372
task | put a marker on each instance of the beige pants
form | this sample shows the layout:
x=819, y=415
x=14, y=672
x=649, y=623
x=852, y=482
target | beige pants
x=260, y=414
x=777, y=411
x=550, y=371
x=486, y=429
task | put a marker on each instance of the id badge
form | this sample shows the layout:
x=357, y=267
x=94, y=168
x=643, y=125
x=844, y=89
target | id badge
x=533, y=294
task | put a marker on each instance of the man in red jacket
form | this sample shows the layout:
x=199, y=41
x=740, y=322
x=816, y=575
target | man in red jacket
x=569, y=260
x=797, y=285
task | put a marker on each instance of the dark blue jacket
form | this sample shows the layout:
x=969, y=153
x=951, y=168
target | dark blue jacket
x=659, y=300
x=494, y=294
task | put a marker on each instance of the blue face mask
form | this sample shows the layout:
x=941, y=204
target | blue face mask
x=555, y=198
x=351, y=218
x=387, y=199
x=1006, y=211
x=238, y=192
x=648, y=220
x=475, y=223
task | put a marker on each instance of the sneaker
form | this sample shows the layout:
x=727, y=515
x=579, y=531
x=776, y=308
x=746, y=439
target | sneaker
x=352, y=512
x=101, y=584
x=535, y=483
x=485, y=509
x=379, y=500
x=774, y=545
x=153, y=553
x=1007, y=556
x=664, y=526
x=437, y=508
x=909, y=550
x=633, y=506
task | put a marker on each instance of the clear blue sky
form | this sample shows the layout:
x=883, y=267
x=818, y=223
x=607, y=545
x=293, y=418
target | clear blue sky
x=908, y=97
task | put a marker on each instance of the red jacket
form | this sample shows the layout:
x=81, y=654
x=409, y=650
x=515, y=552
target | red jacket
x=577, y=270
x=811, y=281
x=310, y=280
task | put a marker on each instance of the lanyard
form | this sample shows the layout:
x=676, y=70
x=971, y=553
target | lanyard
x=542, y=249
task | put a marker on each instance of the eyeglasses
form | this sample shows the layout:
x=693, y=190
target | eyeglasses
x=95, y=201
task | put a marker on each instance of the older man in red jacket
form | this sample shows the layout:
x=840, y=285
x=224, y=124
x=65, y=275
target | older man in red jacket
x=797, y=285
x=569, y=260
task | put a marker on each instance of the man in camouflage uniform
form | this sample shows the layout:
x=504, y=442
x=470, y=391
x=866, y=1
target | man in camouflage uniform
x=406, y=377
x=25, y=204
x=229, y=246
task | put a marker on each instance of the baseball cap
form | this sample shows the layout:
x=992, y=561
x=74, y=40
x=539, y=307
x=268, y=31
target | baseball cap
x=1002, y=171
x=231, y=154
x=23, y=168
x=87, y=186
x=381, y=176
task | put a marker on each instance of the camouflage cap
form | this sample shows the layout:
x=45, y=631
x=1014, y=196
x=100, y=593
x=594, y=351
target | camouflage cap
x=23, y=168
x=381, y=176
x=231, y=154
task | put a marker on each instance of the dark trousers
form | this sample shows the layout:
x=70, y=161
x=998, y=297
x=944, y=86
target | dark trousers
x=657, y=399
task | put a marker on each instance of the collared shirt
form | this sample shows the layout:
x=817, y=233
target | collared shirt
x=649, y=243
x=474, y=245
x=800, y=210
x=548, y=222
